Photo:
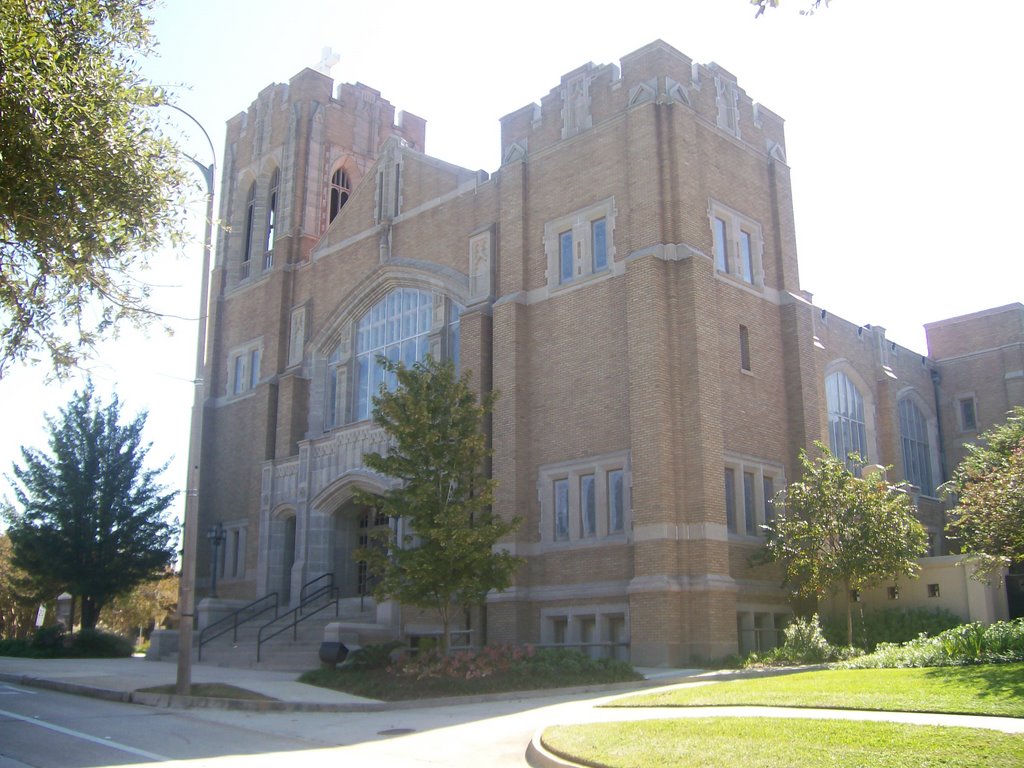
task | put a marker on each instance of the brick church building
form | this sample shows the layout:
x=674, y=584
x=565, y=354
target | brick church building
x=628, y=280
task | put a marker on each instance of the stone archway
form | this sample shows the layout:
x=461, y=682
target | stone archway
x=283, y=536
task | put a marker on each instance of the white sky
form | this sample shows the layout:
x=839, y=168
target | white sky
x=901, y=122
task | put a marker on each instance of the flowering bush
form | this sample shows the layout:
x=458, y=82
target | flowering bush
x=463, y=665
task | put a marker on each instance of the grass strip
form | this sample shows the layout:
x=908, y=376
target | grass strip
x=212, y=691
x=727, y=742
x=991, y=689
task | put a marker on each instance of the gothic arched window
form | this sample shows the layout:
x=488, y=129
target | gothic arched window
x=403, y=326
x=917, y=455
x=341, y=186
x=846, y=425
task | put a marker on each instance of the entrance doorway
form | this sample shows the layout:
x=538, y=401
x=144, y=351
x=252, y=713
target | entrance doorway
x=353, y=528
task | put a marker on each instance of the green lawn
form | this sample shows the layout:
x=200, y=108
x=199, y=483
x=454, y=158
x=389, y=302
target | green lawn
x=991, y=689
x=728, y=742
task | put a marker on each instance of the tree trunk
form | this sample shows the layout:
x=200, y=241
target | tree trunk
x=849, y=616
x=90, y=612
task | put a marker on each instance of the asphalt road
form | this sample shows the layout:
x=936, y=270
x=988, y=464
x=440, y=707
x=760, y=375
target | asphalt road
x=54, y=730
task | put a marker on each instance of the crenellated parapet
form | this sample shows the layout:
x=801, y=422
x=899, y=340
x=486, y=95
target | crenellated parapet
x=657, y=73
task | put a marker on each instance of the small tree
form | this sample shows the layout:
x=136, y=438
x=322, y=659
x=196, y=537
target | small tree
x=446, y=557
x=145, y=606
x=833, y=529
x=989, y=483
x=17, y=611
x=90, y=519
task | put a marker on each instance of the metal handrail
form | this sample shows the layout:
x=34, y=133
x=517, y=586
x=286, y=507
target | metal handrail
x=299, y=616
x=328, y=577
x=232, y=621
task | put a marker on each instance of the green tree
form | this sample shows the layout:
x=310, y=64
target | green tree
x=989, y=484
x=88, y=183
x=834, y=530
x=90, y=519
x=145, y=606
x=446, y=558
x=17, y=611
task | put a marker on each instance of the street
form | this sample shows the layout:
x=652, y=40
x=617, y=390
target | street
x=47, y=729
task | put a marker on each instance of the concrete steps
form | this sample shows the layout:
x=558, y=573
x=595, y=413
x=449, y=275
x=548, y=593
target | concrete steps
x=294, y=649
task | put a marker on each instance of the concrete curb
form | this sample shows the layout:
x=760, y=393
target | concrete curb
x=539, y=757
x=75, y=688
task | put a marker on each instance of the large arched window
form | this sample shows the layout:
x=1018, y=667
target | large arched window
x=403, y=326
x=917, y=455
x=341, y=186
x=268, y=250
x=250, y=215
x=846, y=425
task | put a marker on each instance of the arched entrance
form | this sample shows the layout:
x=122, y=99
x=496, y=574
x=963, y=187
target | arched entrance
x=353, y=527
x=283, y=535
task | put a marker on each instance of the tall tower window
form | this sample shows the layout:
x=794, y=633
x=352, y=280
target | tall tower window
x=341, y=187
x=250, y=215
x=268, y=257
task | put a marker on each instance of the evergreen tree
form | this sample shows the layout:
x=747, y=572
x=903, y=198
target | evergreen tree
x=90, y=519
x=833, y=530
x=446, y=559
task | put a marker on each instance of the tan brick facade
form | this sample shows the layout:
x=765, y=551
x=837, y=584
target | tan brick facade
x=627, y=280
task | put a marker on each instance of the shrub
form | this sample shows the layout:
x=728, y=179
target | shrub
x=376, y=656
x=891, y=625
x=973, y=643
x=804, y=644
x=97, y=644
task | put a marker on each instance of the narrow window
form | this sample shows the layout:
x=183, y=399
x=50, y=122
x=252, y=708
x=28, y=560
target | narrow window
x=598, y=236
x=254, y=368
x=268, y=257
x=236, y=539
x=744, y=348
x=398, y=178
x=748, y=503
x=559, y=624
x=561, y=509
x=721, y=246
x=380, y=196
x=730, y=499
x=917, y=456
x=250, y=215
x=565, y=257
x=340, y=189
x=746, y=258
x=239, y=374
x=968, y=417
x=616, y=499
x=933, y=590
x=769, y=499
x=588, y=505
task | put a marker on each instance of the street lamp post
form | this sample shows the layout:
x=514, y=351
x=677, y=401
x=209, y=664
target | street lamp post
x=186, y=594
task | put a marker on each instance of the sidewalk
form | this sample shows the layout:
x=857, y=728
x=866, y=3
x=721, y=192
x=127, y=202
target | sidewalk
x=121, y=679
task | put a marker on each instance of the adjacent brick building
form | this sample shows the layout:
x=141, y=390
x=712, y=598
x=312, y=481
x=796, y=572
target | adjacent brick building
x=627, y=279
